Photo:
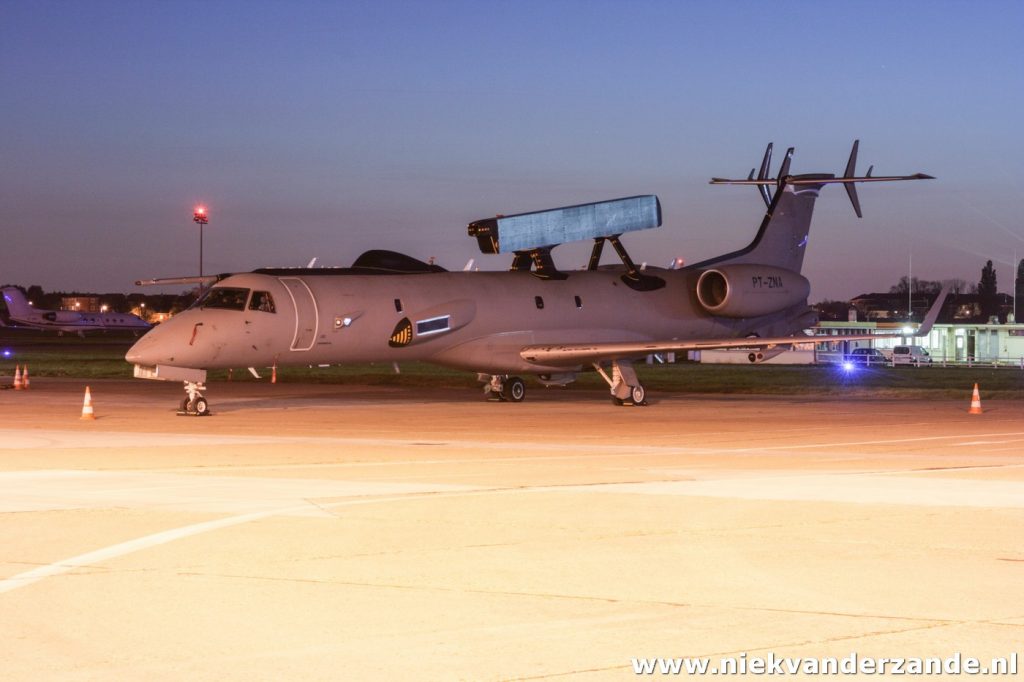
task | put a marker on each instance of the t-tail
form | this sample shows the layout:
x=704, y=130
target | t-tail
x=782, y=237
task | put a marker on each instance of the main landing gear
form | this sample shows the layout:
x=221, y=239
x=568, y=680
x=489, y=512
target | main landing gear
x=626, y=388
x=504, y=388
x=194, y=404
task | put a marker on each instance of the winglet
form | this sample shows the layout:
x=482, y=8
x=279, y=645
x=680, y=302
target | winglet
x=933, y=312
x=851, y=172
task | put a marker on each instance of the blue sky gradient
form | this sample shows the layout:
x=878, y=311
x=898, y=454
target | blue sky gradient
x=328, y=128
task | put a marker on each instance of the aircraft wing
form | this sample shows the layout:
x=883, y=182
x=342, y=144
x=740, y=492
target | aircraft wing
x=579, y=353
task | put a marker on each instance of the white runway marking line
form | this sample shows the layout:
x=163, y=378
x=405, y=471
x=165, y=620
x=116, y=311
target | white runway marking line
x=877, y=490
x=989, y=442
x=888, y=488
x=889, y=441
x=55, y=489
x=16, y=439
x=163, y=537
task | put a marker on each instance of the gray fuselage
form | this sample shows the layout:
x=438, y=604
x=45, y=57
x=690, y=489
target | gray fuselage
x=477, y=321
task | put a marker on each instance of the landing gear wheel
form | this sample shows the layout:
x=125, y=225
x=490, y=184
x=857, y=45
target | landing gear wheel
x=194, y=405
x=515, y=390
x=638, y=395
x=617, y=401
x=199, y=407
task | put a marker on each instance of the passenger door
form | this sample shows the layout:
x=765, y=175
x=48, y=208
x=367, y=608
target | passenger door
x=307, y=316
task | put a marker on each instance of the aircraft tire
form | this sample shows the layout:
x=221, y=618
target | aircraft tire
x=199, y=407
x=638, y=395
x=515, y=389
x=618, y=401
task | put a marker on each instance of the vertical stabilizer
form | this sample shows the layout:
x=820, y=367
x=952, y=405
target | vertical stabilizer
x=784, y=231
x=782, y=238
x=17, y=304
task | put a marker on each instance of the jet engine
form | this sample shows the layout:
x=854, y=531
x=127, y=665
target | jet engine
x=748, y=290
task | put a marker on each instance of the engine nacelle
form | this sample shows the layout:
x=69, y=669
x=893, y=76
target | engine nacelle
x=750, y=290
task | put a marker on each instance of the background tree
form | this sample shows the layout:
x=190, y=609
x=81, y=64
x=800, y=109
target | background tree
x=957, y=285
x=35, y=293
x=987, y=292
x=833, y=311
x=924, y=287
x=1018, y=289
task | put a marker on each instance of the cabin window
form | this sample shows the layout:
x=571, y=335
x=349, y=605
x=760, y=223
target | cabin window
x=398, y=305
x=263, y=302
x=579, y=301
x=433, y=325
x=539, y=302
x=227, y=298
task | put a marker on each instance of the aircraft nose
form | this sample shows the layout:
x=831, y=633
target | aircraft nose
x=145, y=351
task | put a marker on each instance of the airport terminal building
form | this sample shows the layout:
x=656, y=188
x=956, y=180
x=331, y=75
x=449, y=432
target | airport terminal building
x=950, y=344
x=947, y=343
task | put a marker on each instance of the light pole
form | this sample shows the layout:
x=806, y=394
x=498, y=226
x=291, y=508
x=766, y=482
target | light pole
x=200, y=217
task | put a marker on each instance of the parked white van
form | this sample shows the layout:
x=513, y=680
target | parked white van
x=910, y=355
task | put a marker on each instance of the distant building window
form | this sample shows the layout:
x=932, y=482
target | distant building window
x=539, y=302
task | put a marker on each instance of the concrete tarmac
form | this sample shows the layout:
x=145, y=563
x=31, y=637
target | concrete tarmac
x=341, y=532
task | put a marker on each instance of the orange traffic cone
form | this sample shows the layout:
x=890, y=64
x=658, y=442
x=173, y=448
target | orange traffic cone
x=273, y=375
x=17, y=378
x=24, y=379
x=975, y=402
x=87, y=412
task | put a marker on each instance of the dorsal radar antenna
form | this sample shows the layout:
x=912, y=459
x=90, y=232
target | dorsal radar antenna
x=783, y=178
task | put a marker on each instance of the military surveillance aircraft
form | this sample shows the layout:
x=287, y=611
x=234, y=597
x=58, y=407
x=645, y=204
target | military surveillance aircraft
x=532, y=320
x=22, y=314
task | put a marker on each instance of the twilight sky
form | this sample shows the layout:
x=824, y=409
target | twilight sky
x=328, y=128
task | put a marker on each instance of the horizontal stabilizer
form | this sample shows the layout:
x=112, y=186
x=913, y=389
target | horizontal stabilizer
x=527, y=231
x=848, y=180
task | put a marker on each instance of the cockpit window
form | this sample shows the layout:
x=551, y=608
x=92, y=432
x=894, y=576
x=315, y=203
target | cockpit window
x=227, y=298
x=262, y=301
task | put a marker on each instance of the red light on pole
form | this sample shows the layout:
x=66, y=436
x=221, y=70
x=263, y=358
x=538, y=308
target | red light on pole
x=200, y=218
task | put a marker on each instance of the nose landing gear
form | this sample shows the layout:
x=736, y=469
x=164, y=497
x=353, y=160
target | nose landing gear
x=194, y=404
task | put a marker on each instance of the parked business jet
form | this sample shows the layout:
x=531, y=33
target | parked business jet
x=22, y=314
x=533, y=320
